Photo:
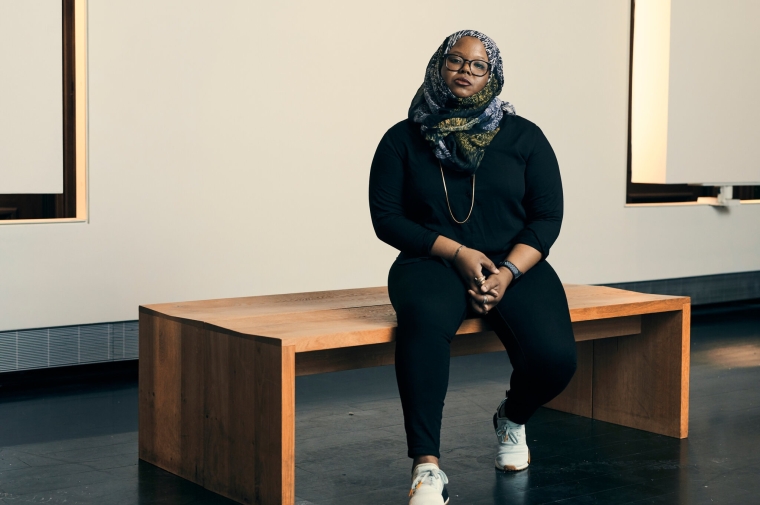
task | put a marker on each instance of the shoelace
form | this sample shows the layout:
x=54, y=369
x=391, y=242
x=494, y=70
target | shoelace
x=504, y=432
x=431, y=474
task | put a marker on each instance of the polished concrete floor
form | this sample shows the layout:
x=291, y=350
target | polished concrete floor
x=78, y=443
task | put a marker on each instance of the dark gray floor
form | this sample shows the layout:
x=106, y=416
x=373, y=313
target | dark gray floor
x=79, y=444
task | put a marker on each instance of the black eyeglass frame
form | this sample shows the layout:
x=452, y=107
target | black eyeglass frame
x=464, y=61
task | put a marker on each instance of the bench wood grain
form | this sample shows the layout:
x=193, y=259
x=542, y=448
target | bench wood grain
x=217, y=377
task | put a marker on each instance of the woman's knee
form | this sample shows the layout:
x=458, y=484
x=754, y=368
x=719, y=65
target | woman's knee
x=436, y=300
x=555, y=366
x=430, y=315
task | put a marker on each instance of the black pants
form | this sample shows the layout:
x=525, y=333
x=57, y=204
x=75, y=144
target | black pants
x=532, y=320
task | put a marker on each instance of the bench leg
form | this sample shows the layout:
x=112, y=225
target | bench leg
x=642, y=381
x=218, y=410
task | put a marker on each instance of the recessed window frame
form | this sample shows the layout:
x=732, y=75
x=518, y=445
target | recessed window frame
x=647, y=195
x=71, y=205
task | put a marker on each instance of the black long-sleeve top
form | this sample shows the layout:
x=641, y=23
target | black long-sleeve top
x=518, y=193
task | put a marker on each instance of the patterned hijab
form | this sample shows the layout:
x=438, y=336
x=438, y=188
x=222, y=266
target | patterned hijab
x=460, y=129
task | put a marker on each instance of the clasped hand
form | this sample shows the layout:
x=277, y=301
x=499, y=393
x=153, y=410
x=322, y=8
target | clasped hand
x=473, y=264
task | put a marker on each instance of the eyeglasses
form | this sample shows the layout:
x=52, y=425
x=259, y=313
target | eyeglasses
x=479, y=68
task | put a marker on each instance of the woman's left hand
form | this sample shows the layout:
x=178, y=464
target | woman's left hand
x=492, y=291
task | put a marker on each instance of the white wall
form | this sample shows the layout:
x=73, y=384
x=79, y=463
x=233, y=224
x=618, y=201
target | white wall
x=215, y=172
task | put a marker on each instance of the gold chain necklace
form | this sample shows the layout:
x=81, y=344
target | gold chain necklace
x=447, y=196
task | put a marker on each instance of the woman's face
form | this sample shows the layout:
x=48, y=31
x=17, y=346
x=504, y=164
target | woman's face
x=462, y=82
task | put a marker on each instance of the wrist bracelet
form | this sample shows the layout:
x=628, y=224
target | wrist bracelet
x=511, y=267
x=456, y=253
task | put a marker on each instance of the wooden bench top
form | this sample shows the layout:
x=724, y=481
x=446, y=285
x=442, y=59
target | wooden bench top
x=320, y=320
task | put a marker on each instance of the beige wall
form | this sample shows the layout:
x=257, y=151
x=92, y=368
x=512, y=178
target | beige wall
x=714, y=106
x=31, y=115
x=216, y=171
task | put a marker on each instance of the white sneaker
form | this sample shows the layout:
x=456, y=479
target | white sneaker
x=513, y=453
x=428, y=485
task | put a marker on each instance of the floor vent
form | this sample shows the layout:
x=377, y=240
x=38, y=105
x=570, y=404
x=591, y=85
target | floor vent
x=67, y=345
x=705, y=289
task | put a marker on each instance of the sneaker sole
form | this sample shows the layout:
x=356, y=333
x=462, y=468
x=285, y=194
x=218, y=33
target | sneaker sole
x=446, y=500
x=509, y=468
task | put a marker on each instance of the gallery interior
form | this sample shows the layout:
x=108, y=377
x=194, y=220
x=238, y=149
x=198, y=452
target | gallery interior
x=194, y=294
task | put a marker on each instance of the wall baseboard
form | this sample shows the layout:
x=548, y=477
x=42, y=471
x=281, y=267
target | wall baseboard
x=67, y=345
x=106, y=374
x=704, y=289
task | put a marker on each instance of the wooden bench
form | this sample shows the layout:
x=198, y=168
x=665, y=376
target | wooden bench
x=217, y=377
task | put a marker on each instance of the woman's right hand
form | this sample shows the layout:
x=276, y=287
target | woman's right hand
x=472, y=264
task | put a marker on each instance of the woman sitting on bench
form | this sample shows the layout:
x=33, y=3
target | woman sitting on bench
x=470, y=248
